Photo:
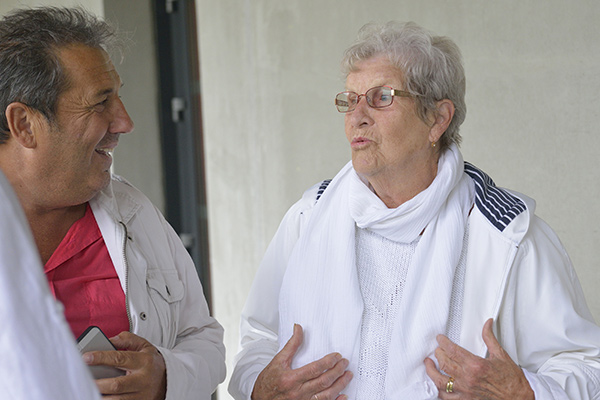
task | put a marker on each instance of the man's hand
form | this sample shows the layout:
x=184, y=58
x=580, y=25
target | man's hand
x=491, y=378
x=146, y=377
x=323, y=379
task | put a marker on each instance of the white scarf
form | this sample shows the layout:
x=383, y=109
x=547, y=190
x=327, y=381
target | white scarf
x=320, y=289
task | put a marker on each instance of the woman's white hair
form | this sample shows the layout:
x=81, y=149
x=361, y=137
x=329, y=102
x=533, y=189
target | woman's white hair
x=431, y=66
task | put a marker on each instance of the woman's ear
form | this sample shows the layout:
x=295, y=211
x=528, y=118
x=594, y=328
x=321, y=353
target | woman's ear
x=20, y=118
x=443, y=117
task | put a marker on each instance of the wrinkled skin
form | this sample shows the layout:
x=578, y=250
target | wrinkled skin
x=323, y=379
x=495, y=377
x=145, y=378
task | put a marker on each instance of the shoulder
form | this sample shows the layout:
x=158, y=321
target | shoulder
x=502, y=211
x=298, y=214
x=309, y=198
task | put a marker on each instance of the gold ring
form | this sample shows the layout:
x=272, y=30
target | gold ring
x=450, y=385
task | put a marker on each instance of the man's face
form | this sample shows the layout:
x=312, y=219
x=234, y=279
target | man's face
x=75, y=152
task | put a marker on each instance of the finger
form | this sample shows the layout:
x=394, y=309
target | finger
x=288, y=351
x=494, y=347
x=129, y=341
x=436, y=376
x=453, y=352
x=114, y=386
x=317, y=368
x=324, y=378
x=102, y=358
x=341, y=383
x=447, y=364
x=333, y=392
x=120, y=359
x=441, y=381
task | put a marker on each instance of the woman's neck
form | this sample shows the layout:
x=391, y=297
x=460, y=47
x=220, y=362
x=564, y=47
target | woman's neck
x=397, y=187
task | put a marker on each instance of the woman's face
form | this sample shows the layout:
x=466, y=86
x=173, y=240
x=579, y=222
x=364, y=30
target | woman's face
x=386, y=142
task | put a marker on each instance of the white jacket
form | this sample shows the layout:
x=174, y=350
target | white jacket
x=517, y=273
x=165, y=300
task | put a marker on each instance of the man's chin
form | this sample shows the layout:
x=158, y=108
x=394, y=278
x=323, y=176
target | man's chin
x=102, y=182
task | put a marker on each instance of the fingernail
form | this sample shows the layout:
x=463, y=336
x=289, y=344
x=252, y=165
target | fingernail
x=88, y=358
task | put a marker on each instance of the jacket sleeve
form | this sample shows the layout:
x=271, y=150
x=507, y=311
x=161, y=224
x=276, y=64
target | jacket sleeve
x=546, y=323
x=260, y=317
x=196, y=364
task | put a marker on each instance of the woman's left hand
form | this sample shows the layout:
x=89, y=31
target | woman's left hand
x=473, y=377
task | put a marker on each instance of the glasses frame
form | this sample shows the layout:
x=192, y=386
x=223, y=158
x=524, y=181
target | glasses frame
x=393, y=93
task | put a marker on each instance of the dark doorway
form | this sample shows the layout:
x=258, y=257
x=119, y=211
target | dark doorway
x=181, y=129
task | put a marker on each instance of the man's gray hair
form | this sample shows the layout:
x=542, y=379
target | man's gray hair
x=431, y=66
x=30, y=71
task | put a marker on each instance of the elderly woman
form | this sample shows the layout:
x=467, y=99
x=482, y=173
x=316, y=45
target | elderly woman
x=410, y=275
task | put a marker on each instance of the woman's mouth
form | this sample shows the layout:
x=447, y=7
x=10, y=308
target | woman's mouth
x=359, y=142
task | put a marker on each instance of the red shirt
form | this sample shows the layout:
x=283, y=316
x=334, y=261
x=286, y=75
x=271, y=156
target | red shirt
x=83, y=278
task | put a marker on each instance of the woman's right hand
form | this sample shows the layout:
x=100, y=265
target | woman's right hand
x=323, y=379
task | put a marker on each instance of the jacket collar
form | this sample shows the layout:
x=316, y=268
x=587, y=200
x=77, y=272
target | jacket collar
x=120, y=204
x=508, y=212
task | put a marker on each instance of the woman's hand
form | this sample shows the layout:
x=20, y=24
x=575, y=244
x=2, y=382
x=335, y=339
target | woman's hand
x=494, y=377
x=323, y=379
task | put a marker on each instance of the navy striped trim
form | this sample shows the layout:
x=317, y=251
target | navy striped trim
x=322, y=188
x=499, y=206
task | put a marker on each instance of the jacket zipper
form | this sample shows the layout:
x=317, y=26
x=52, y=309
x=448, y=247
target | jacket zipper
x=127, y=309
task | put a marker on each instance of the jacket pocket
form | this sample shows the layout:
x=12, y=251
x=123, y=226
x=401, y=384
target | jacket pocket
x=166, y=291
x=166, y=283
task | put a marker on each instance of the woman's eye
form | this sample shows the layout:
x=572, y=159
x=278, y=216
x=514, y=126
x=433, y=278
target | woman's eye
x=99, y=107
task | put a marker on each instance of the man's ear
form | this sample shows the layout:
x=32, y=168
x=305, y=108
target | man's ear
x=21, y=119
x=443, y=117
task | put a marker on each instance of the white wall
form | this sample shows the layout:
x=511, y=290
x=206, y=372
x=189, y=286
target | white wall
x=270, y=70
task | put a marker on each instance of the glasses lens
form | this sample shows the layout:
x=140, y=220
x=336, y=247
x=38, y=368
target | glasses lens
x=344, y=102
x=380, y=96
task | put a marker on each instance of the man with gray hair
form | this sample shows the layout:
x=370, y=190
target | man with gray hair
x=109, y=255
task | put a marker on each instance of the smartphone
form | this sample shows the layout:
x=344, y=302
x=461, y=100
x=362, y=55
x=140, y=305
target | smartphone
x=93, y=339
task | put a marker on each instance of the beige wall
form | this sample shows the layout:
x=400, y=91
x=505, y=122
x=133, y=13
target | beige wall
x=138, y=157
x=270, y=72
x=95, y=6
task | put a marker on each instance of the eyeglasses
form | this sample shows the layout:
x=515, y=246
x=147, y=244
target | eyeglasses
x=377, y=97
